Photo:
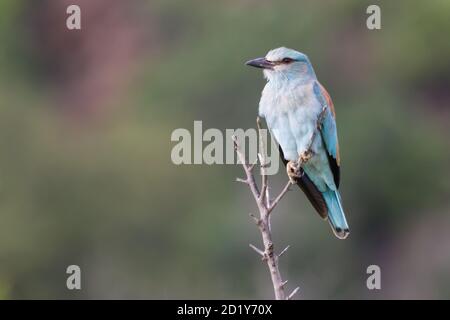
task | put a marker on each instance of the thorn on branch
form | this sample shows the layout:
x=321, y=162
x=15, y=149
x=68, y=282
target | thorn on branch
x=257, y=220
x=259, y=251
x=293, y=293
x=283, y=251
x=242, y=180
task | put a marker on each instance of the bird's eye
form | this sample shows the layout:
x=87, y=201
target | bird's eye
x=287, y=60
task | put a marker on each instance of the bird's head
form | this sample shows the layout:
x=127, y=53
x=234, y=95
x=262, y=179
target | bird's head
x=284, y=63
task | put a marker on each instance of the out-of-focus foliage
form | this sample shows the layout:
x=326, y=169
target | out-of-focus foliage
x=85, y=170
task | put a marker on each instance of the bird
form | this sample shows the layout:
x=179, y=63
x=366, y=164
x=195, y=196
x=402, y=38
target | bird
x=301, y=118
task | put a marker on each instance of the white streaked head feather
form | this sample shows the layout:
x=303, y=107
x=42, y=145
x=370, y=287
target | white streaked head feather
x=299, y=68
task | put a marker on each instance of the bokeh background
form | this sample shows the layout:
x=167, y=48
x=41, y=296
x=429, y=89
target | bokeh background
x=85, y=171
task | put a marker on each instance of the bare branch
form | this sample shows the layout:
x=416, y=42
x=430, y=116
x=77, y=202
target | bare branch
x=264, y=196
x=262, y=162
x=263, y=201
x=279, y=197
x=250, y=178
x=265, y=205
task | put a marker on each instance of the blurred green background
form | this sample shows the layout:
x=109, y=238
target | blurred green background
x=85, y=170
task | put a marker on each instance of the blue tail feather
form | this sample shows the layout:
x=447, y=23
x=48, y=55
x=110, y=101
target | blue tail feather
x=336, y=215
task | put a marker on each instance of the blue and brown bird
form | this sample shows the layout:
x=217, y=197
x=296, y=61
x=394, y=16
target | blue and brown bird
x=301, y=118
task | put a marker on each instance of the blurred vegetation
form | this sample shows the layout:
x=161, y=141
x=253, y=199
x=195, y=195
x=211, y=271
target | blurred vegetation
x=85, y=171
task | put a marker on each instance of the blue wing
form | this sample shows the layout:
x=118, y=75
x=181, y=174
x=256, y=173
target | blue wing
x=336, y=215
x=328, y=131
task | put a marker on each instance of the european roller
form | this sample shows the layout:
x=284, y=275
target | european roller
x=301, y=118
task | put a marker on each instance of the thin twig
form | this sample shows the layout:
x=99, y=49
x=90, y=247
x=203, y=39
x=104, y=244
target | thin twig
x=263, y=161
x=280, y=196
x=250, y=178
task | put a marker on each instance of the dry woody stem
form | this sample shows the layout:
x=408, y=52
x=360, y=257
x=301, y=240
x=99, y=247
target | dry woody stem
x=265, y=207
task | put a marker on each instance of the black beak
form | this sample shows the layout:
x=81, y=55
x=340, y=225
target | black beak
x=262, y=63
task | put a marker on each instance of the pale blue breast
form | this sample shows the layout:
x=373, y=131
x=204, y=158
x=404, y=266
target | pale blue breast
x=291, y=112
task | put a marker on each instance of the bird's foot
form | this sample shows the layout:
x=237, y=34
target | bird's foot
x=293, y=171
x=305, y=156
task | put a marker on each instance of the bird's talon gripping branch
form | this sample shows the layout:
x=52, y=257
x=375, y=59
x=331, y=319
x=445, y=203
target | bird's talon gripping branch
x=305, y=156
x=293, y=172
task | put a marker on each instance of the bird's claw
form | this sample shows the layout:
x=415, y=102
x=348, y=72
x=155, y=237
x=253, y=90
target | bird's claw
x=293, y=172
x=305, y=156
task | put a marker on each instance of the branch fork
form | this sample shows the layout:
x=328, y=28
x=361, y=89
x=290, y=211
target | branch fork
x=265, y=207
